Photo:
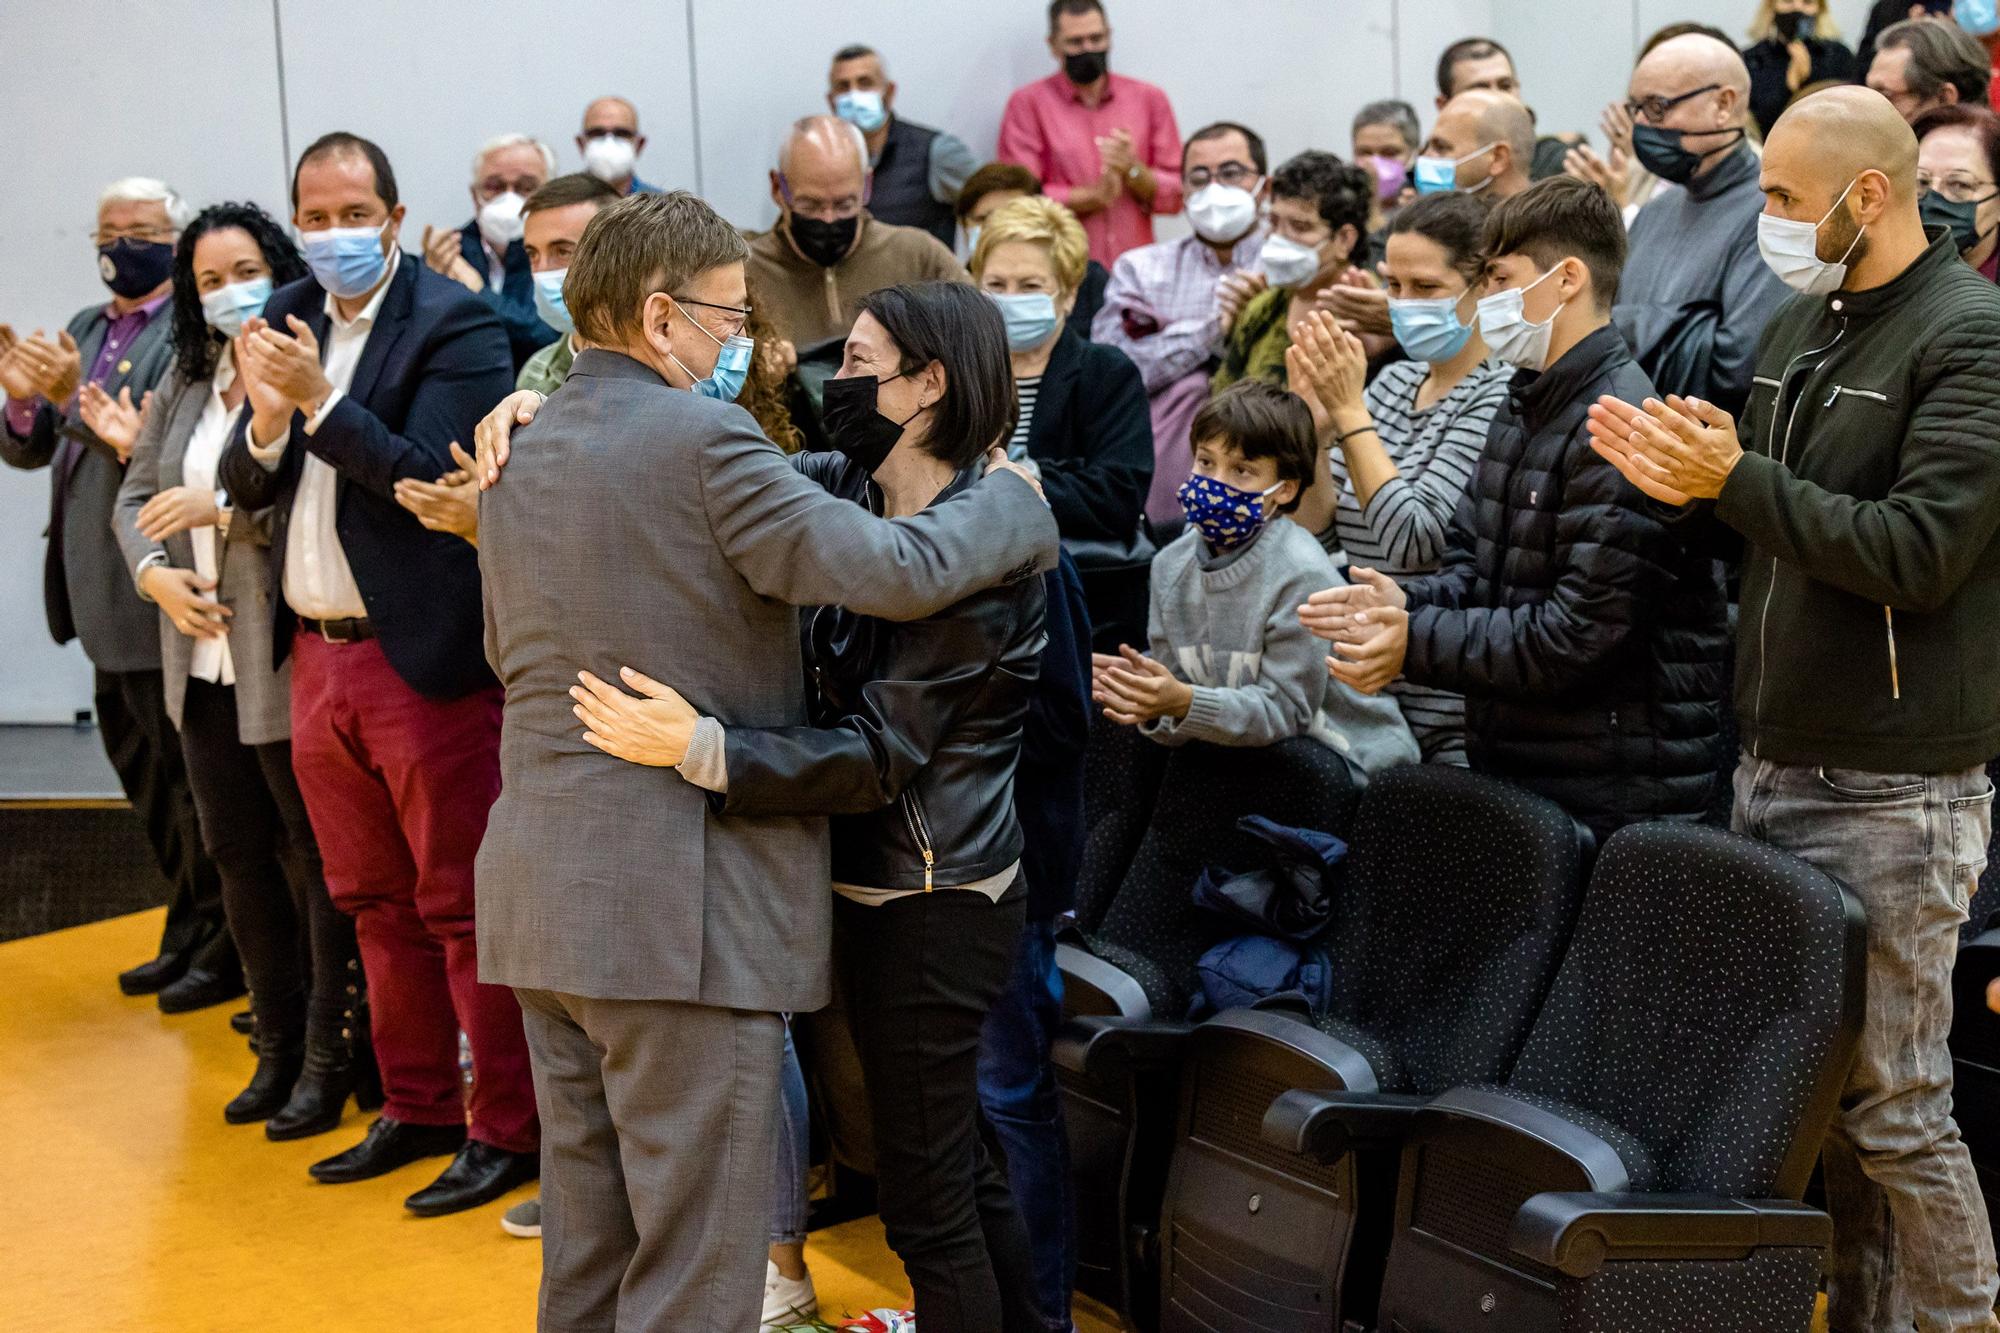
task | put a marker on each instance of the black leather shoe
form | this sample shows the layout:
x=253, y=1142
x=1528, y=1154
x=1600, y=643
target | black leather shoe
x=479, y=1174
x=155, y=976
x=199, y=989
x=337, y=1067
x=270, y=1088
x=389, y=1144
x=244, y=1024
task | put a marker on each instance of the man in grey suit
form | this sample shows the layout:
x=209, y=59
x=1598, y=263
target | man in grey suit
x=653, y=945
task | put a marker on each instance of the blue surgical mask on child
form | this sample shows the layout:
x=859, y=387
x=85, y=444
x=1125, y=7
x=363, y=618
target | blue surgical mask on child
x=1030, y=317
x=549, y=300
x=732, y=366
x=1225, y=517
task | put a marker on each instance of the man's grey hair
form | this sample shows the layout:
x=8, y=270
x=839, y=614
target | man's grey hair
x=1399, y=116
x=1940, y=53
x=807, y=125
x=148, y=190
x=861, y=51
x=499, y=141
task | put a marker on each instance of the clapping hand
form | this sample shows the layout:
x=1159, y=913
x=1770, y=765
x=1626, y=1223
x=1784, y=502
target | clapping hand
x=654, y=729
x=36, y=366
x=449, y=504
x=1371, y=656
x=1328, y=367
x=288, y=366
x=1333, y=613
x=1134, y=689
x=1233, y=291
x=1115, y=151
x=1358, y=302
x=443, y=254
x=113, y=420
x=18, y=379
x=1675, y=451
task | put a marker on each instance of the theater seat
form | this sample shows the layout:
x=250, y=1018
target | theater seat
x=1641, y=1167
x=1460, y=894
x=1121, y=776
x=1127, y=985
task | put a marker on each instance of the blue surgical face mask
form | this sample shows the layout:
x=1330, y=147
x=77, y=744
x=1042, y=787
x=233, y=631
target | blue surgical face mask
x=1437, y=175
x=549, y=300
x=347, y=261
x=732, y=365
x=1429, y=330
x=226, y=308
x=1031, y=317
x=1981, y=18
x=862, y=108
x=1225, y=517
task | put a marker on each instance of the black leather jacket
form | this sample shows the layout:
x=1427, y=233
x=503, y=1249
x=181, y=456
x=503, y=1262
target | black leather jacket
x=916, y=728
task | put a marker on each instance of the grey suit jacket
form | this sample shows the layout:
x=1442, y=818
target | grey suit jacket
x=85, y=584
x=243, y=567
x=642, y=526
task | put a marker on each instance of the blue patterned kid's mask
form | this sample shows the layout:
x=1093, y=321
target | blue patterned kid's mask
x=1225, y=517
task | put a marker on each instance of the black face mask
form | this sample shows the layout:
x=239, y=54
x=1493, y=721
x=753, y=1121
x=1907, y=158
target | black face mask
x=1661, y=152
x=825, y=243
x=855, y=425
x=1961, y=219
x=1084, y=68
x=132, y=268
x=1791, y=26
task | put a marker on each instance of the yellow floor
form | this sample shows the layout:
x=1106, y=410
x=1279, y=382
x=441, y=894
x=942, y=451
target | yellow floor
x=132, y=1206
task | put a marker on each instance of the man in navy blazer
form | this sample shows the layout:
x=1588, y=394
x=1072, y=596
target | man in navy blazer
x=359, y=377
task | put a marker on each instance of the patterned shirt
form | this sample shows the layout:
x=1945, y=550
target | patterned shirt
x=548, y=368
x=1026, y=390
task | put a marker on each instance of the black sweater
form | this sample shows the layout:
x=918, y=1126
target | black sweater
x=1869, y=496
x=1587, y=639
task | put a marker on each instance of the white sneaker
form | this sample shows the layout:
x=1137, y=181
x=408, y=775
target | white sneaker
x=787, y=1302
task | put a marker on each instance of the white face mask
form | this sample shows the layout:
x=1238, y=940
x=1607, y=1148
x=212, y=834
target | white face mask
x=500, y=220
x=1792, y=251
x=609, y=158
x=1503, y=323
x=1286, y=263
x=1222, y=213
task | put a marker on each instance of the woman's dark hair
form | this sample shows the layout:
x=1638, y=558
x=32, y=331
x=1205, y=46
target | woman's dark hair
x=1343, y=195
x=1260, y=420
x=1454, y=221
x=955, y=325
x=196, y=345
x=992, y=177
x=1976, y=120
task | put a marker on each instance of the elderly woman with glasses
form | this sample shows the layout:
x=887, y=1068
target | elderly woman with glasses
x=1958, y=163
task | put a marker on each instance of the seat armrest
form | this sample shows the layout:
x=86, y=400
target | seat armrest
x=1325, y=1126
x=1578, y=1234
x=1105, y=1048
x=1282, y=1028
x=1093, y=986
x=1599, y=1163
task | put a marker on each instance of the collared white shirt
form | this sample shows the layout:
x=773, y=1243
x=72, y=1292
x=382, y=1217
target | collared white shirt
x=211, y=661
x=319, y=583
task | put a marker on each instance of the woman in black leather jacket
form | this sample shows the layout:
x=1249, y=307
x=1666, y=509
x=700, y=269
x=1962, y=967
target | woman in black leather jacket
x=916, y=733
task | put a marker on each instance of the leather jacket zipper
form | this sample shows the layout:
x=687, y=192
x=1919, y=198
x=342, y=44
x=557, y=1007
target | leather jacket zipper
x=1784, y=457
x=920, y=829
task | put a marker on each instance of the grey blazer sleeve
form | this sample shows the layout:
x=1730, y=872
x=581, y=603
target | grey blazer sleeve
x=142, y=476
x=792, y=541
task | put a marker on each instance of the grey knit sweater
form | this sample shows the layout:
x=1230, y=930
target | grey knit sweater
x=1229, y=626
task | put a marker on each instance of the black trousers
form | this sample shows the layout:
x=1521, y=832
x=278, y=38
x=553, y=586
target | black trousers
x=920, y=974
x=293, y=941
x=143, y=747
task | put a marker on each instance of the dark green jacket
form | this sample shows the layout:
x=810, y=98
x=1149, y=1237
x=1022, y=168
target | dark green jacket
x=1869, y=498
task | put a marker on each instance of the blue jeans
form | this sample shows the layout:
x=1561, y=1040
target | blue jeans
x=1910, y=1237
x=1017, y=1092
x=788, y=1175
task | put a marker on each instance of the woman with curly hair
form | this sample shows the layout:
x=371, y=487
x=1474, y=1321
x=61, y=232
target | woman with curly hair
x=208, y=571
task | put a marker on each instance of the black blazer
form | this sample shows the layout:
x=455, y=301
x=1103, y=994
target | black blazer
x=1093, y=437
x=435, y=362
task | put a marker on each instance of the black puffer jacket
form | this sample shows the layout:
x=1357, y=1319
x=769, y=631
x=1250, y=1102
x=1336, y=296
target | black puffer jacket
x=1588, y=640
x=916, y=728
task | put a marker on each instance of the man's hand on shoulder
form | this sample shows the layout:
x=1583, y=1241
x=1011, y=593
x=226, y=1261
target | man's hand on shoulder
x=997, y=461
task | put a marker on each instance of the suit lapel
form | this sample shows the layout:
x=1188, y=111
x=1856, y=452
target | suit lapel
x=390, y=322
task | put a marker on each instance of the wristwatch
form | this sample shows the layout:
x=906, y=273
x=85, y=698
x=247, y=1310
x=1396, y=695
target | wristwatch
x=1132, y=172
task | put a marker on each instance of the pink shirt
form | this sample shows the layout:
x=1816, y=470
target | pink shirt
x=1049, y=130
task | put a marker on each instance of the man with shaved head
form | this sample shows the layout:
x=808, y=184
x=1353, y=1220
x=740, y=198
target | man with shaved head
x=1861, y=490
x=826, y=253
x=1696, y=295
x=611, y=144
x=1483, y=143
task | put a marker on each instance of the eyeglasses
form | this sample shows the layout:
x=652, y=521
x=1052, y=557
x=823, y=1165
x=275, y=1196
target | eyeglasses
x=1653, y=110
x=824, y=210
x=610, y=132
x=1233, y=174
x=731, y=328
x=1959, y=189
x=495, y=186
x=101, y=238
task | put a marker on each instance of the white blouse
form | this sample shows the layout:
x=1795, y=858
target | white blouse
x=211, y=661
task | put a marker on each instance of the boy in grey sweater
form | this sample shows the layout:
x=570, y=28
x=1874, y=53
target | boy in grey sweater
x=1229, y=661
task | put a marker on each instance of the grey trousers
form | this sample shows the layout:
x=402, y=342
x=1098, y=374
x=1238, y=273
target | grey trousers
x=1910, y=1240
x=657, y=1128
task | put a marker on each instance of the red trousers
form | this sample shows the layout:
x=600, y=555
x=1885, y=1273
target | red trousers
x=398, y=787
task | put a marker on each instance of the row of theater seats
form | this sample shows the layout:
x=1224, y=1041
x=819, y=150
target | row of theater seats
x=1553, y=1092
